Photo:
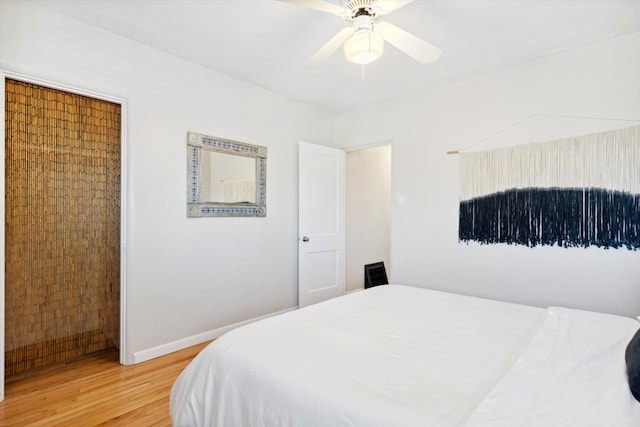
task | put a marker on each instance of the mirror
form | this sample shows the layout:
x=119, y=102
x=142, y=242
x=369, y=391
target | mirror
x=225, y=178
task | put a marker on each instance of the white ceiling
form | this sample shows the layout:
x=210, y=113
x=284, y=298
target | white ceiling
x=266, y=42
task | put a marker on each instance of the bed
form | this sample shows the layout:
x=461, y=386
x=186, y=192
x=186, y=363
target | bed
x=404, y=356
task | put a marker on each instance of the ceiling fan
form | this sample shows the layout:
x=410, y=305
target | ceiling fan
x=363, y=41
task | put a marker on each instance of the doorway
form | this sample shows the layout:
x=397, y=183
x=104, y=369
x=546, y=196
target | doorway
x=368, y=211
x=62, y=225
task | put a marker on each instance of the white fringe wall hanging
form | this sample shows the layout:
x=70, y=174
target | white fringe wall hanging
x=581, y=191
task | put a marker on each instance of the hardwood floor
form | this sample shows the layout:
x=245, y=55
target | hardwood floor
x=95, y=391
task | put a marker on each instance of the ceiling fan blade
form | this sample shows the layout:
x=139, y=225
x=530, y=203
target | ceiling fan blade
x=387, y=6
x=416, y=48
x=318, y=5
x=330, y=47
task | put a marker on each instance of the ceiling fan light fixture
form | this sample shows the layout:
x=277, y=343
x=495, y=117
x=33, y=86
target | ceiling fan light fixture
x=363, y=47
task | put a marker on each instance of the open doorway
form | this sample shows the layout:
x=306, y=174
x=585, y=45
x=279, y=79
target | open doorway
x=368, y=212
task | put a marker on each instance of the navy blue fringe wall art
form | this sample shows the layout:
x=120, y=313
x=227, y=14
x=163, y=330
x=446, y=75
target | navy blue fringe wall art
x=575, y=192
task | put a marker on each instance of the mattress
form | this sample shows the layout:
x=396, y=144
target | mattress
x=403, y=356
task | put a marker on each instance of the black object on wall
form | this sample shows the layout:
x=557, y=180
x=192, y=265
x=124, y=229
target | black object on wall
x=375, y=275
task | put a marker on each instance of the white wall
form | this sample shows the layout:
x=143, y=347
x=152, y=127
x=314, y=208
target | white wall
x=601, y=80
x=185, y=276
x=368, y=213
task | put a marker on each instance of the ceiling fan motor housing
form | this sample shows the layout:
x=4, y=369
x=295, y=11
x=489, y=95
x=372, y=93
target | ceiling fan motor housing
x=358, y=8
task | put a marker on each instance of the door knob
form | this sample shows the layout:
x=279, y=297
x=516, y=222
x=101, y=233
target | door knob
x=305, y=239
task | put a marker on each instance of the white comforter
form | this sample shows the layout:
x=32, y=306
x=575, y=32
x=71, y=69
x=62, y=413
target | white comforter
x=572, y=374
x=402, y=356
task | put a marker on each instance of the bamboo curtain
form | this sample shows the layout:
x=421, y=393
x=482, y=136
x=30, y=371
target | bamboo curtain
x=62, y=224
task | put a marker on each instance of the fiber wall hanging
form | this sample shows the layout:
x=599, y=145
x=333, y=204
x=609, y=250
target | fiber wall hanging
x=580, y=191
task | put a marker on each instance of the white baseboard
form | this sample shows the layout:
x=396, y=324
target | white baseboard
x=164, y=349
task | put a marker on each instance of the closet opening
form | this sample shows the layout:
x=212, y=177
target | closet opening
x=62, y=225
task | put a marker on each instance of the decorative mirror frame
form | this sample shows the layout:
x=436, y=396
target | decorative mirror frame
x=196, y=207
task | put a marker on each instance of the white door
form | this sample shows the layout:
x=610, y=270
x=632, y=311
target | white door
x=321, y=219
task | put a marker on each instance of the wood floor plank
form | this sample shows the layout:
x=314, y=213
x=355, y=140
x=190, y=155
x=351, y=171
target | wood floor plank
x=95, y=391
